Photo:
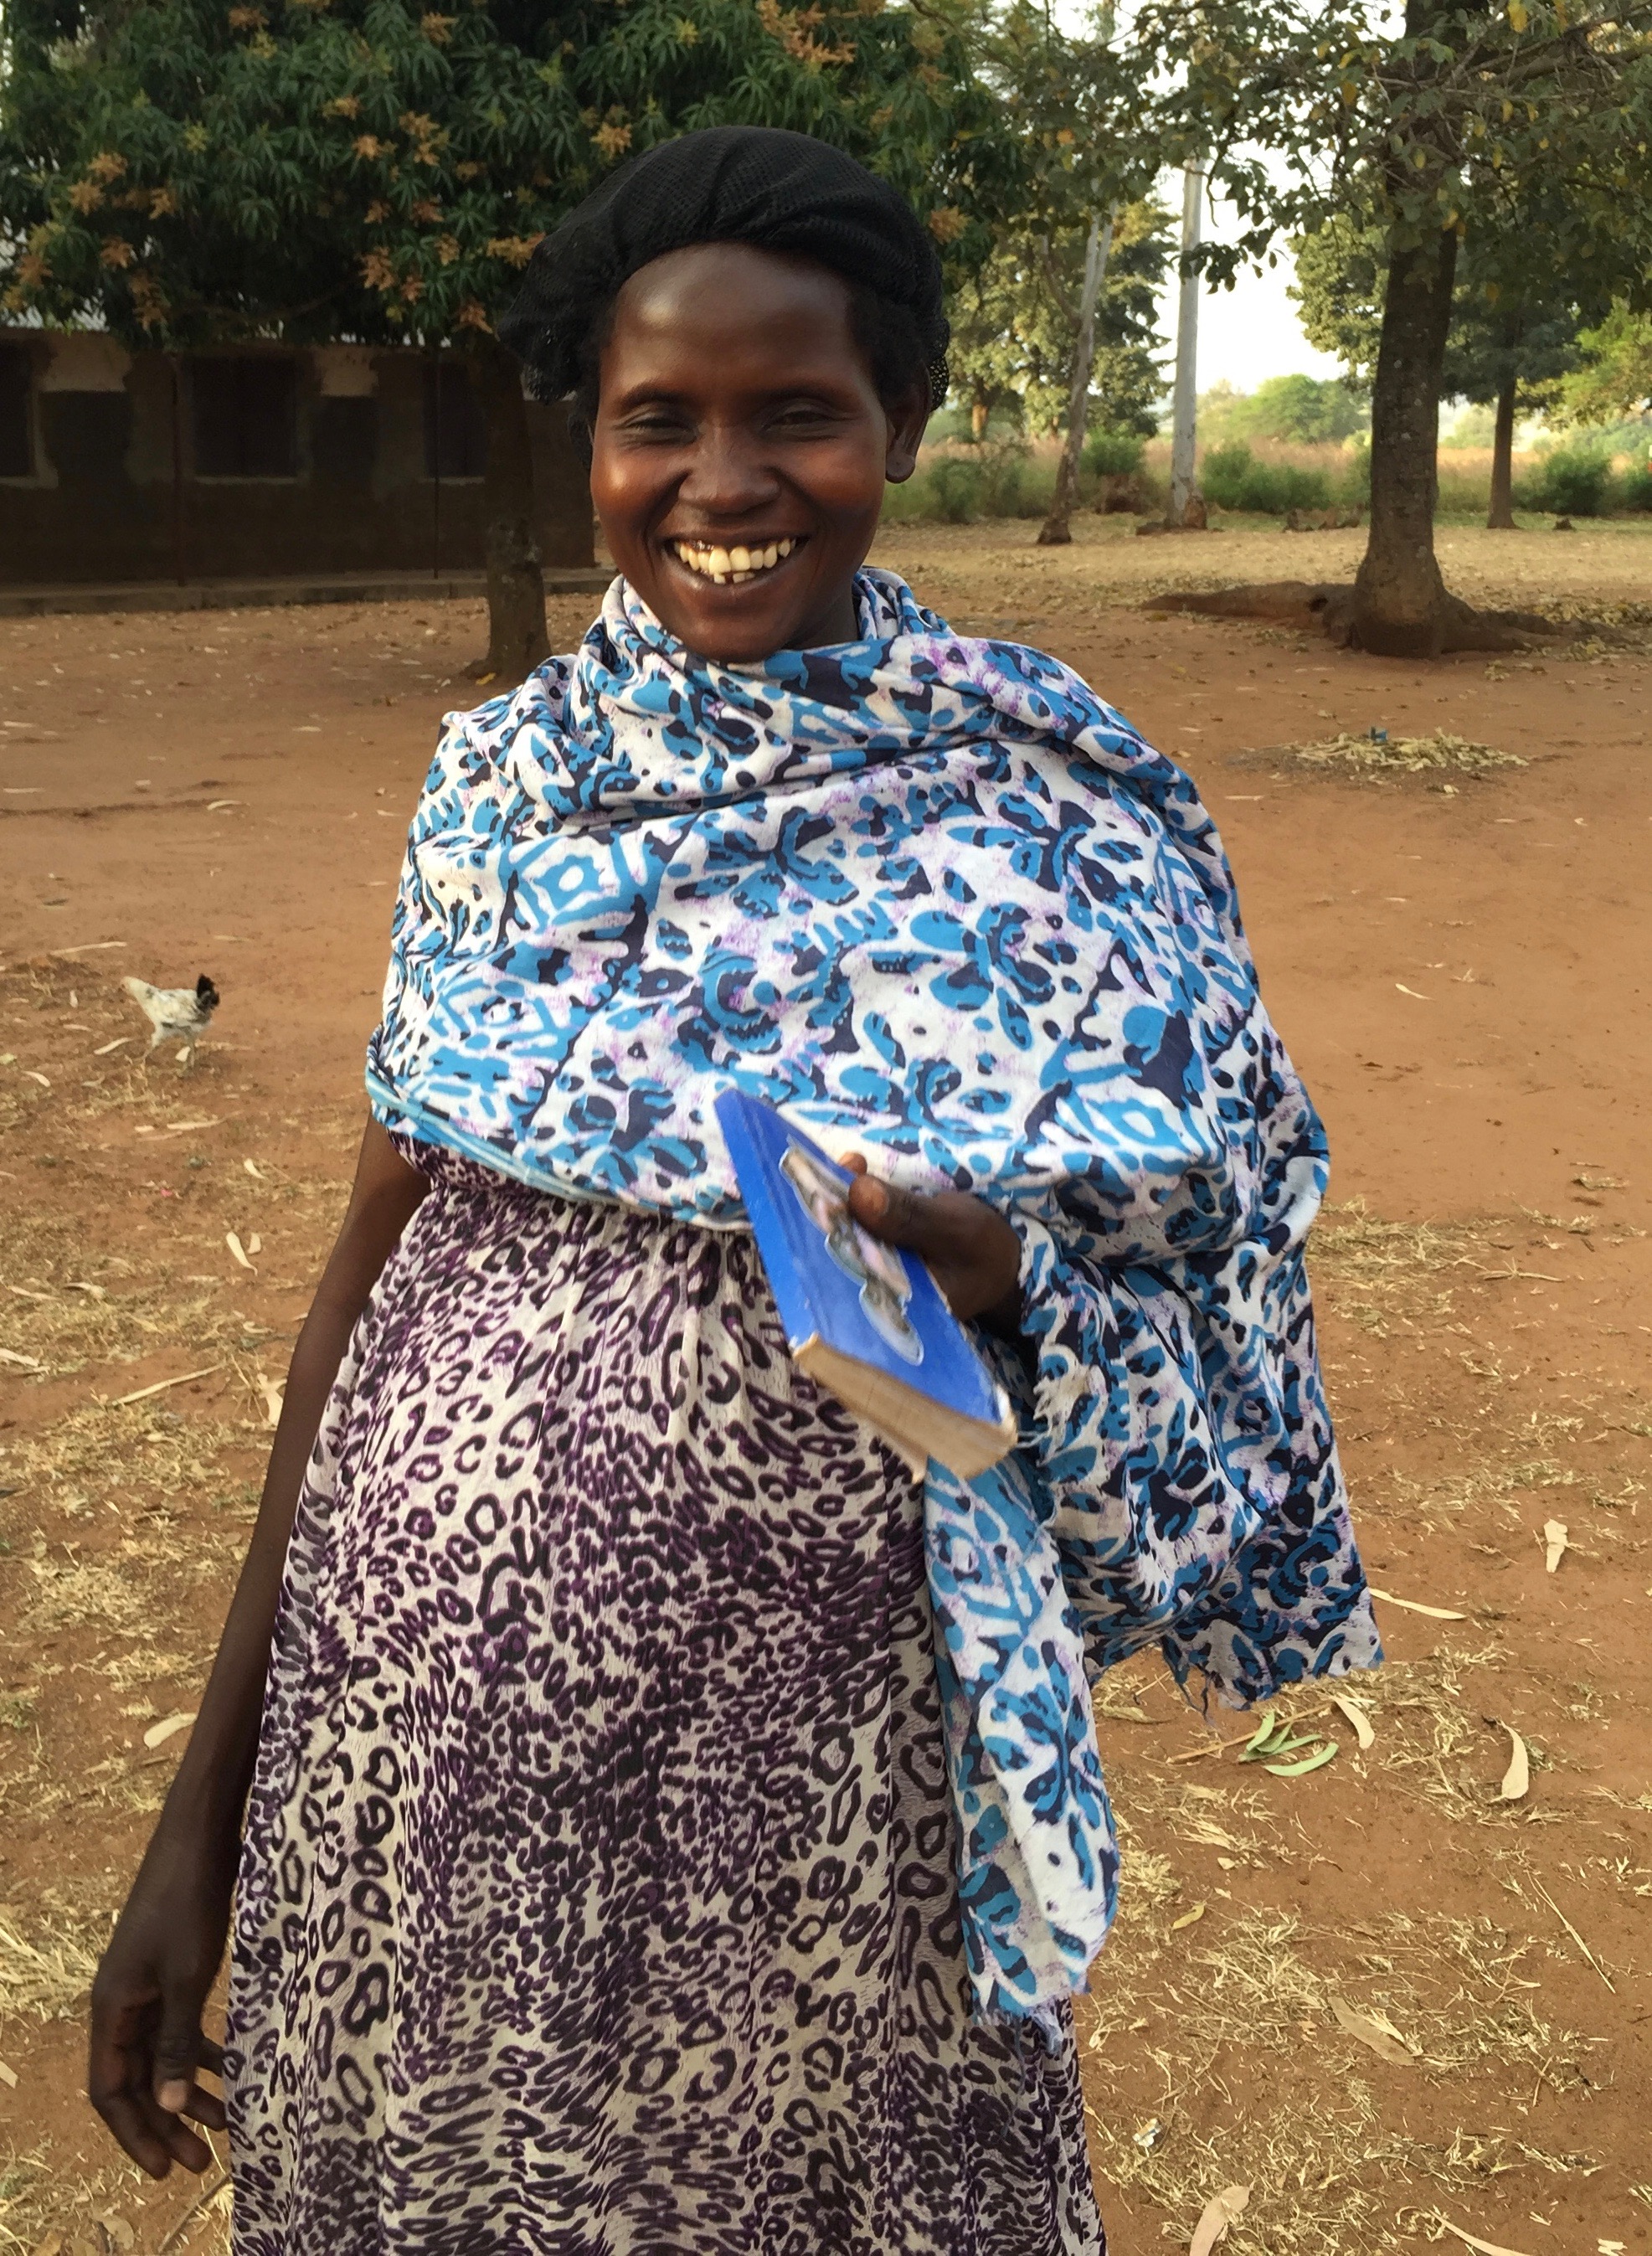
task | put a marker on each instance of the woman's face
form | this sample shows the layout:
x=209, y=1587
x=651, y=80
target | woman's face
x=741, y=449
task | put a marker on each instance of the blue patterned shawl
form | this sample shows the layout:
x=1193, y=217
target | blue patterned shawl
x=933, y=897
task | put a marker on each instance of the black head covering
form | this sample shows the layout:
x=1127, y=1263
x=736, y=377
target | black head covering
x=753, y=184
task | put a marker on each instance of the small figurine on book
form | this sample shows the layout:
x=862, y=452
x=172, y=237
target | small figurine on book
x=863, y=1319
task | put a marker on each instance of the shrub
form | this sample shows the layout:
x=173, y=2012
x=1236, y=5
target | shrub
x=954, y=485
x=1573, y=482
x=1635, y=491
x=1232, y=479
x=1114, y=453
x=1354, y=484
x=988, y=479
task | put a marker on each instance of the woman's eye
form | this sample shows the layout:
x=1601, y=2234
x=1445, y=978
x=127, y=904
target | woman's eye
x=656, y=423
x=801, y=414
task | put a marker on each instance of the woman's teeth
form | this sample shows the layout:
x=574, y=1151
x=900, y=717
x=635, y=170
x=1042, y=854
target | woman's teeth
x=734, y=565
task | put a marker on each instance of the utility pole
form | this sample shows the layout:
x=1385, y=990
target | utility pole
x=1184, y=402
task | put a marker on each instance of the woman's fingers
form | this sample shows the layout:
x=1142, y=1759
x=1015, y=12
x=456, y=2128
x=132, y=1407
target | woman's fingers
x=118, y=2084
x=178, y=2048
x=972, y=1253
x=206, y=2109
x=888, y=1212
x=141, y=2067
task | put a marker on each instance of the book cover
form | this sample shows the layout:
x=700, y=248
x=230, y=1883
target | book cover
x=865, y=1319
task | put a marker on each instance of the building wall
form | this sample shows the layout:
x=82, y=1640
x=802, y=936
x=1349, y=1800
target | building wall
x=113, y=490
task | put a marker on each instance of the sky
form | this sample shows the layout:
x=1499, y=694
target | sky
x=1250, y=331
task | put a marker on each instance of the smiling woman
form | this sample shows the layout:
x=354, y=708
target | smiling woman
x=741, y=447
x=668, y=1824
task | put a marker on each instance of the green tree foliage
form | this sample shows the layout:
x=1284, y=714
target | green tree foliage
x=1298, y=410
x=1615, y=377
x=1013, y=324
x=376, y=168
x=1526, y=121
x=381, y=170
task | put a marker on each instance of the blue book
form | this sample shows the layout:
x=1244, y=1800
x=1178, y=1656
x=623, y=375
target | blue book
x=863, y=1319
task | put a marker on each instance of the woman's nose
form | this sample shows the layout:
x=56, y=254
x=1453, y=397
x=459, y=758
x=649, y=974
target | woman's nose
x=728, y=474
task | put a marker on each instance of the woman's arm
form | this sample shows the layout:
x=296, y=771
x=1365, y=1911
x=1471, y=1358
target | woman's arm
x=163, y=1958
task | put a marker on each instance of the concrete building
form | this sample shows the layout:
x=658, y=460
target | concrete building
x=255, y=462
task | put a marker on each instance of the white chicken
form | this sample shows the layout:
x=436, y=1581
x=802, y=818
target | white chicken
x=176, y=1013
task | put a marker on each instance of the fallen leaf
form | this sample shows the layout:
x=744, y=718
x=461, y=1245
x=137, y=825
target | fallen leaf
x=53, y=2245
x=236, y=1248
x=1472, y=2240
x=274, y=1393
x=1378, y=2032
x=187, y=1127
x=40, y=1077
x=117, y=2231
x=1610, y=2248
x=8, y=2075
x=1357, y=1715
x=214, y=806
x=255, y=1244
x=1517, y=1776
x=157, y=1734
x=1188, y=1919
x=1316, y=1762
x=22, y=1362
x=119, y=1042
x=252, y=1171
x=1412, y=992
x=1220, y=2210
x=1555, y=1544
x=1416, y=1606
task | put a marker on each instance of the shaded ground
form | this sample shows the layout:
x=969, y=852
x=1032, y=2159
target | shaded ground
x=1375, y=1994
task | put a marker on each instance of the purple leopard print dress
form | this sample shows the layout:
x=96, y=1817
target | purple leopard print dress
x=597, y=1895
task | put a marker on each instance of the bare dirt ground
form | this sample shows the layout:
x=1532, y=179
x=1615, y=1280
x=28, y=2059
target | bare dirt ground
x=1390, y=2002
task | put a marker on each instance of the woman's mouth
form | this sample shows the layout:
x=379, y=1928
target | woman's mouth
x=736, y=566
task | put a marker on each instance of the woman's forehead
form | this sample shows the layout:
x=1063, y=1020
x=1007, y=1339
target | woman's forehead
x=729, y=284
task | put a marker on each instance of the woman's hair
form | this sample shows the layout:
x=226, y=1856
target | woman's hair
x=775, y=191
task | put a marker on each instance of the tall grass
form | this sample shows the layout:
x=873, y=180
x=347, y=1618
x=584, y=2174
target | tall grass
x=957, y=482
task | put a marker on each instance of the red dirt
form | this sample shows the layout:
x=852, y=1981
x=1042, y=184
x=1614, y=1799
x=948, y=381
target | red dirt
x=1499, y=1381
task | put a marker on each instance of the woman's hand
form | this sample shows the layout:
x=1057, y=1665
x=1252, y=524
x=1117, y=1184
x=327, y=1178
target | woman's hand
x=972, y=1252
x=147, y=2044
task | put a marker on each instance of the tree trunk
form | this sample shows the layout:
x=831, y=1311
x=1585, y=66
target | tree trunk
x=1184, y=399
x=1057, y=530
x=1500, y=518
x=517, y=638
x=1399, y=598
x=980, y=408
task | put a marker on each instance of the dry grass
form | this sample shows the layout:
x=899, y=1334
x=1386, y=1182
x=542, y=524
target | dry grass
x=1377, y=1273
x=1438, y=754
x=47, y=1975
x=1253, y=2079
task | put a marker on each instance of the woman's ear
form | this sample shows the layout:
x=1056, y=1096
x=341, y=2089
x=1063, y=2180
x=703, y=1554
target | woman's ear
x=908, y=418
